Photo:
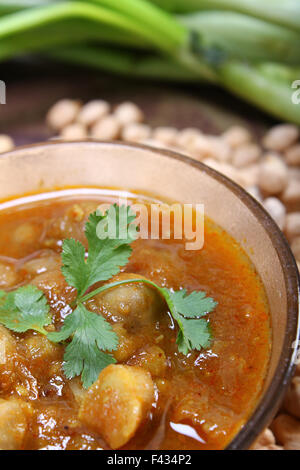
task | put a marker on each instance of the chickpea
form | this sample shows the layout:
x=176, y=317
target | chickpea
x=246, y=155
x=292, y=398
x=153, y=359
x=273, y=176
x=186, y=137
x=136, y=132
x=75, y=131
x=6, y=143
x=287, y=431
x=92, y=112
x=237, y=136
x=281, y=137
x=166, y=135
x=107, y=128
x=219, y=149
x=295, y=245
x=276, y=210
x=128, y=113
x=291, y=194
x=117, y=403
x=292, y=155
x=255, y=192
x=249, y=175
x=8, y=275
x=266, y=438
x=63, y=113
x=292, y=226
x=25, y=233
x=200, y=147
x=127, y=343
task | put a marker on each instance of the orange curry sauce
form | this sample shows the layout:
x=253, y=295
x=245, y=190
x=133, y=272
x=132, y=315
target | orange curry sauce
x=201, y=400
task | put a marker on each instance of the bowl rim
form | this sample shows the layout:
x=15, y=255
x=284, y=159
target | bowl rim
x=269, y=402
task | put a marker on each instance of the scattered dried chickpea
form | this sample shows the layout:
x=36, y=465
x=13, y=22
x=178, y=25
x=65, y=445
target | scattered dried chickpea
x=292, y=226
x=136, y=132
x=186, y=137
x=292, y=155
x=236, y=136
x=166, y=135
x=93, y=111
x=63, y=113
x=245, y=155
x=281, y=137
x=107, y=128
x=287, y=431
x=75, y=131
x=291, y=194
x=273, y=175
x=128, y=112
x=276, y=210
x=292, y=399
x=295, y=245
x=6, y=143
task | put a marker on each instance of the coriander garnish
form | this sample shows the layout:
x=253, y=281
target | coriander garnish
x=91, y=336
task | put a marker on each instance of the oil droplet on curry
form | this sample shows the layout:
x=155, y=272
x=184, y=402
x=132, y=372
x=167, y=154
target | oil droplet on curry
x=154, y=397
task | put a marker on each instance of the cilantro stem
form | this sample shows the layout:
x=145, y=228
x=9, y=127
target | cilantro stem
x=115, y=284
x=130, y=281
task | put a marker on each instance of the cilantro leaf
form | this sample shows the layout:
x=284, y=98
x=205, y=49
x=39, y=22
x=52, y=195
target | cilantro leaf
x=92, y=335
x=24, y=309
x=74, y=266
x=193, y=305
x=193, y=334
x=109, y=237
x=187, y=310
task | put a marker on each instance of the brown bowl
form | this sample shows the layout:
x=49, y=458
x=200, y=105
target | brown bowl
x=173, y=177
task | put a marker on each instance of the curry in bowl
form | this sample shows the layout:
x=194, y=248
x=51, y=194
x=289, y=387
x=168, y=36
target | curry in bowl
x=139, y=344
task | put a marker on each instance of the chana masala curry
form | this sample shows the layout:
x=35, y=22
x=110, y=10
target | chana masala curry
x=119, y=369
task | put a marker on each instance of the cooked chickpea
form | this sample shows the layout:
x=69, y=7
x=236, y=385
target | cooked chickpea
x=75, y=131
x=133, y=302
x=128, y=113
x=25, y=233
x=127, y=343
x=151, y=358
x=281, y=137
x=6, y=143
x=276, y=210
x=292, y=226
x=117, y=403
x=8, y=275
x=136, y=132
x=14, y=421
x=237, y=136
x=273, y=176
x=246, y=155
x=92, y=112
x=107, y=128
x=8, y=346
x=63, y=113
